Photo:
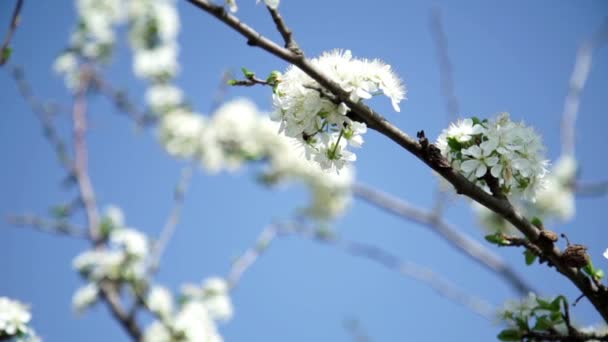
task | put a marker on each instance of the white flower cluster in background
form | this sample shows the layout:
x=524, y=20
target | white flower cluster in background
x=554, y=201
x=154, y=26
x=510, y=152
x=201, y=308
x=236, y=133
x=93, y=38
x=307, y=112
x=14, y=321
x=124, y=261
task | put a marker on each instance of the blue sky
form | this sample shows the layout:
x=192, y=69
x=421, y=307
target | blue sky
x=513, y=56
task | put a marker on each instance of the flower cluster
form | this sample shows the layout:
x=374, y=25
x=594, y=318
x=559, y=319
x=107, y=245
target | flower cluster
x=93, y=38
x=125, y=261
x=510, y=152
x=14, y=320
x=310, y=114
x=554, y=201
x=236, y=133
x=201, y=307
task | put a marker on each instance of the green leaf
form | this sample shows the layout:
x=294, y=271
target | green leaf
x=530, y=257
x=476, y=120
x=537, y=222
x=232, y=82
x=543, y=323
x=248, y=73
x=598, y=274
x=6, y=53
x=509, y=335
x=497, y=239
x=273, y=78
x=454, y=144
x=555, y=304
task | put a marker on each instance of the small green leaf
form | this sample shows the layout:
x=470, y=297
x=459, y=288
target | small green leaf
x=232, y=82
x=273, y=78
x=530, y=257
x=598, y=274
x=497, y=239
x=543, y=323
x=476, y=120
x=537, y=222
x=555, y=304
x=248, y=73
x=509, y=335
x=454, y=144
x=556, y=317
x=6, y=53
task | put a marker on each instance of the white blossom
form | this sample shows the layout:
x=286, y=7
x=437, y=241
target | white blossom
x=99, y=264
x=181, y=132
x=605, y=253
x=274, y=4
x=510, y=152
x=84, y=297
x=131, y=241
x=306, y=112
x=65, y=63
x=14, y=317
x=160, y=301
x=115, y=215
x=214, y=295
x=161, y=97
x=157, y=62
x=192, y=323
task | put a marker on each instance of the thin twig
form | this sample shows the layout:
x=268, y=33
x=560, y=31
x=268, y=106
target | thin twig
x=445, y=65
x=409, y=269
x=45, y=114
x=582, y=67
x=406, y=268
x=81, y=155
x=375, y=121
x=5, y=50
x=59, y=227
x=285, y=31
x=463, y=243
x=173, y=219
x=242, y=264
x=111, y=296
x=182, y=187
x=446, y=81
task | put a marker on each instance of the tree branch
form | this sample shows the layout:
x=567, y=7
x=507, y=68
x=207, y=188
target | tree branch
x=375, y=121
x=108, y=291
x=5, y=51
x=463, y=243
x=285, y=31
